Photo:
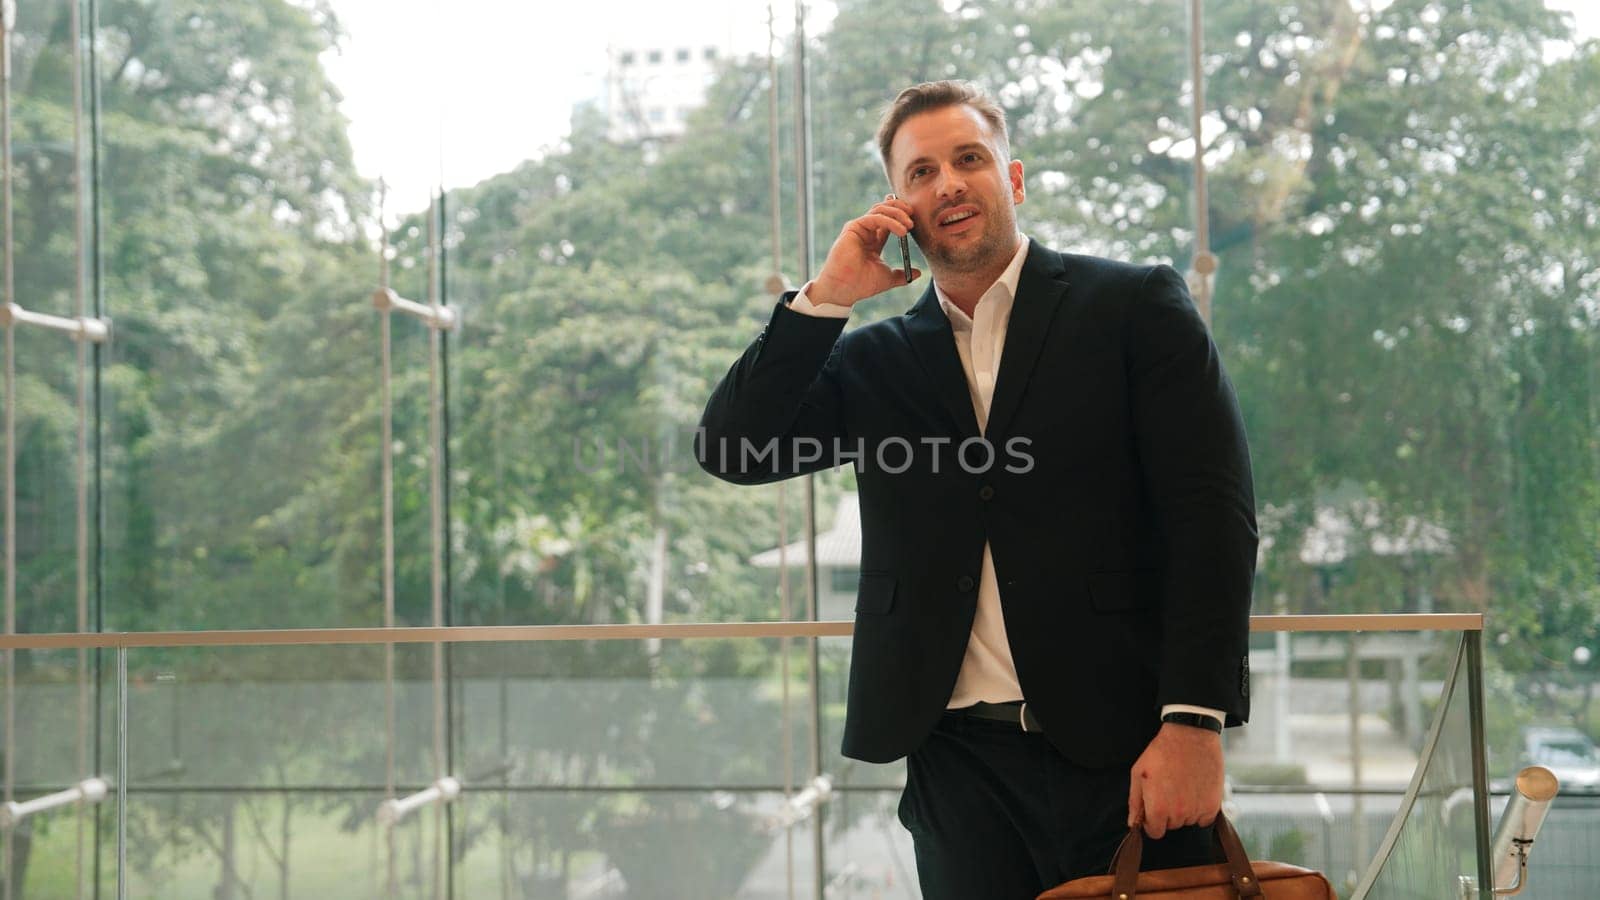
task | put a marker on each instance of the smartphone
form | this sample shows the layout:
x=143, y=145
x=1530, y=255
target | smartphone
x=905, y=250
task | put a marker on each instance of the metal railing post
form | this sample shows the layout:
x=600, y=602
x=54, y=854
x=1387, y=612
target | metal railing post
x=439, y=318
x=1473, y=641
x=805, y=210
x=122, y=773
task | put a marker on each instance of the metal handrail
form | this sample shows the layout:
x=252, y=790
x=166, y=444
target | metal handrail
x=466, y=634
x=1532, y=792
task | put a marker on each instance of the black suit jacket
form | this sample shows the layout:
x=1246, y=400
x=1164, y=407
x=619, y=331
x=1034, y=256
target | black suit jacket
x=1124, y=544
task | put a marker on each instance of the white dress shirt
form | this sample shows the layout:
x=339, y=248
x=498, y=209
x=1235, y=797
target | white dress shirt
x=987, y=671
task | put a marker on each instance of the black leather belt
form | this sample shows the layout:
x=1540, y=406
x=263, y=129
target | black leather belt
x=1015, y=713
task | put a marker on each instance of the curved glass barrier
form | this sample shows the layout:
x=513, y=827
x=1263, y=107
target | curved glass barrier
x=1438, y=842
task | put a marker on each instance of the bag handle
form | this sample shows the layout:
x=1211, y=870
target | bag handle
x=1125, y=864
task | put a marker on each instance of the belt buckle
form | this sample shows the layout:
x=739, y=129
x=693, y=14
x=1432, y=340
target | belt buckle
x=1022, y=716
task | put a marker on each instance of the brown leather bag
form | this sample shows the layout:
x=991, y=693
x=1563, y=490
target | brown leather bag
x=1235, y=879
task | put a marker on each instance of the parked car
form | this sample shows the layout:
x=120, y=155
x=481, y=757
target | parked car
x=1567, y=752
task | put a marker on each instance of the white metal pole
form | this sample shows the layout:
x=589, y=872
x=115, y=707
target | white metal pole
x=8, y=18
x=386, y=453
x=1205, y=264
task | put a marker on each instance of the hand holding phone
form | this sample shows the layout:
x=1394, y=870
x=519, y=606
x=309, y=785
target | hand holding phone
x=855, y=269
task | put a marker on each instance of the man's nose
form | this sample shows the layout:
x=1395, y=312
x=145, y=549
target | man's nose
x=951, y=184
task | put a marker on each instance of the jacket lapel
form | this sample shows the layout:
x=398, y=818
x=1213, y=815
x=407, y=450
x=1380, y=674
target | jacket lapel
x=1040, y=289
x=929, y=331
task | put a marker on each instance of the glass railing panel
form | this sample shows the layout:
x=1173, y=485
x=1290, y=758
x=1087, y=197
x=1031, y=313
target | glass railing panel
x=1312, y=826
x=1433, y=844
x=267, y=767
x=659, y=844
x=1317, y=774
x=61, y=783
x=868, y=851
x=702, y=715
x=51, y=733
x=571, y=751
x=275, y=718
x=198, y=845
x=279, y=753
x=47, y=857
x=1293, y=791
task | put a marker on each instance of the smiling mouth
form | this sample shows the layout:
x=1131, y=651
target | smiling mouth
x=956, y=218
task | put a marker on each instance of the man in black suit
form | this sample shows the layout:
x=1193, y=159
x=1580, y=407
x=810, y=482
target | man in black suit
x=1058, y=523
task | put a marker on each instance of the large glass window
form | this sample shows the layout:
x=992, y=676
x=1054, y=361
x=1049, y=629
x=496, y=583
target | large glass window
x=605, y=285
x=45, y=256
x=241, y=473
x=610, y=199
x=1407, y=302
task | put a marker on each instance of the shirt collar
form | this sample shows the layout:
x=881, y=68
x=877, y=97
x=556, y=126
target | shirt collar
x=1008, y=280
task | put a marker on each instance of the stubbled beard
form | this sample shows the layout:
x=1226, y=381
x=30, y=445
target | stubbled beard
x=975, y=257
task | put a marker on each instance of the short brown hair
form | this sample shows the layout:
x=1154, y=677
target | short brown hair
x=931, y=95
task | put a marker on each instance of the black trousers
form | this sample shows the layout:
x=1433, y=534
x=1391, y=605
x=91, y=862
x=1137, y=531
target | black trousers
x=999, y=814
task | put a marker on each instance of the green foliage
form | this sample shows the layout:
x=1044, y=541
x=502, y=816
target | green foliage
x=1278, y=846
x=1288, y=847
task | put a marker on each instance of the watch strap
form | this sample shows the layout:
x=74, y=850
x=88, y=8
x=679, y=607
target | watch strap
x=1196, y=720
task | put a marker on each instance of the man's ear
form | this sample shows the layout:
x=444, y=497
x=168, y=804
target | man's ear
x=1017, y=192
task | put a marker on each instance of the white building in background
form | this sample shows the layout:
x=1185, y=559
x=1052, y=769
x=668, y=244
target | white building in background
x=661, y=62
x=838, y=562
x=650, y=90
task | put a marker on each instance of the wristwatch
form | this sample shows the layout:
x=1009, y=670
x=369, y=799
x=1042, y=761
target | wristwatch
x=1197, y=720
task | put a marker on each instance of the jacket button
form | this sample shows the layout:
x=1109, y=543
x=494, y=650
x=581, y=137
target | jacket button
x=986, y=492
x=964, y=583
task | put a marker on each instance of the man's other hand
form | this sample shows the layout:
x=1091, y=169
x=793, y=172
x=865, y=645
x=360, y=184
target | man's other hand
x=1177, y=781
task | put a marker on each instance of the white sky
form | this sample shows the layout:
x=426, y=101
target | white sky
x=453, y=98
x=453, y=91
x=1585, y=13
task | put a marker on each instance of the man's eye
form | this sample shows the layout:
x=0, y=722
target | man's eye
x=971, y=156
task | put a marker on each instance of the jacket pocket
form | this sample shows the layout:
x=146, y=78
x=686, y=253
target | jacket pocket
x=1122, y=591
x=875, y=593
